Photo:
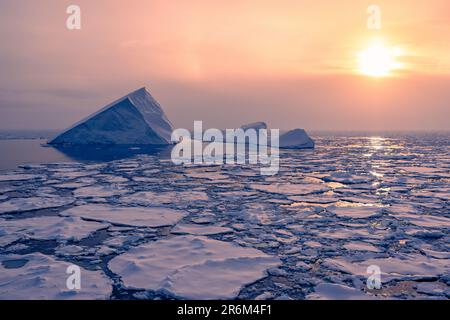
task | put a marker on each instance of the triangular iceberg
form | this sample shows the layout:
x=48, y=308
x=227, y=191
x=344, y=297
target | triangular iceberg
x=136, y=118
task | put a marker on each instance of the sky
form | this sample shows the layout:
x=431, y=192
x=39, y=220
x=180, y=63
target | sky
x=290, y=63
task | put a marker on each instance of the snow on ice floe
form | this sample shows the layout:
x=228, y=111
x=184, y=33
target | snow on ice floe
x=260, y=213
x=103, y=191
x=432, y=253
x=51, y=228
x=424, y=220
x=439, y=194
x=130, y=216
x=150, y=198
x=291, y=188
x=68, y=175
x=200, y=230
x=136, y=118
x=409, y=266
x=37, y=276
x=5, y=189
x=20, y=177
x=355, y=212
x=361, y=246
x=71, y=185
x=351, y=233
x=33, y=203
x=421, y=170
x=206, y=175
x=235, y=195
x=111, y=178
x=432, y=289
x=192, y=267
x=7, y=238
x=347, y=178
x=334, y=291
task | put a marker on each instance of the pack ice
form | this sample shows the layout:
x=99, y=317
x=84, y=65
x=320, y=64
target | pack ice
x=136, y=118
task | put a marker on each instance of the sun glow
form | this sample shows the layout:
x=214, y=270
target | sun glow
x=379, y=60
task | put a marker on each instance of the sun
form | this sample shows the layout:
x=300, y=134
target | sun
x=378, y=60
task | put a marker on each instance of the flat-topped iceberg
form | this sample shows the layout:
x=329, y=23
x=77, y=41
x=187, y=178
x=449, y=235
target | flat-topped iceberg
x=256, y=125
x=136, y=118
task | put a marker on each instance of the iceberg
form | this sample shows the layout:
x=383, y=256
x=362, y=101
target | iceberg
x=293, y=139
x=296, y=139
x=135, y=119
x=256, y=125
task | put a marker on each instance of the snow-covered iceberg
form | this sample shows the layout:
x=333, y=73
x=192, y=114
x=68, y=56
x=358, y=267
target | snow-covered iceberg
x=296, y=139
x=136, y=118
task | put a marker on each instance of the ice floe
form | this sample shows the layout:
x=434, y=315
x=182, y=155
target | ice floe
x=200, y=230
x=409, y=266
x=291, y=189
x=361, y=246
x=51, y=228
x=355, y=212
x=130, y=216
x=41, y=277
x=192, y=267
x=104, y=191
x=424, y=220
x=33, y=203
x=20, y=177
x=150, y=198
x=334, y=291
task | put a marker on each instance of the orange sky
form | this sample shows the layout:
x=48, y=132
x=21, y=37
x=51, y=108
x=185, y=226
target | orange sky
x=290, y=63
